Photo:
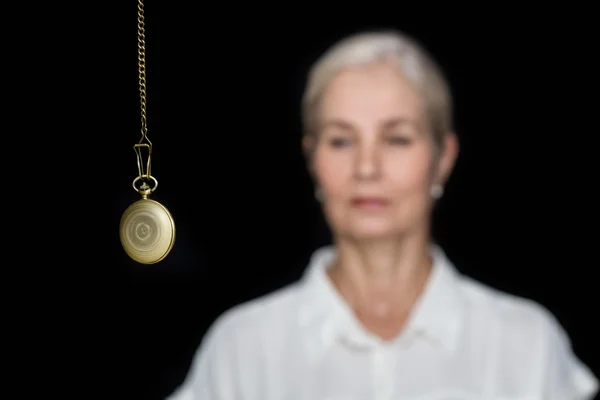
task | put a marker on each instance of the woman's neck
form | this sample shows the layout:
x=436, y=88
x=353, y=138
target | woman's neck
x=382, y=279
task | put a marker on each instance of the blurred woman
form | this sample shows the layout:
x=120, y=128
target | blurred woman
x=383, y=313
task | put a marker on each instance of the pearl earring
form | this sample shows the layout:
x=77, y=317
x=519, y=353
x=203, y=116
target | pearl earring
x=437, y=191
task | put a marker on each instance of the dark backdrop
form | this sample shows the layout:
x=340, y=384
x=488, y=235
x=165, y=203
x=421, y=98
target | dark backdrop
x=224, y=90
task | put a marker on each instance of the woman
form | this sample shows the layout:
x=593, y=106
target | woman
x=383, y=314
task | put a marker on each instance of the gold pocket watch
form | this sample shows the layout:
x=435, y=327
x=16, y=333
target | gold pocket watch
x=147, y=229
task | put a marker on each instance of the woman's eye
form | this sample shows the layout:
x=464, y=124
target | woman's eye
x=340, y=142
x=399, y=140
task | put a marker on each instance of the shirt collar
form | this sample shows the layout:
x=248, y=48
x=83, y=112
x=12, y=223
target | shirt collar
x=436, y=316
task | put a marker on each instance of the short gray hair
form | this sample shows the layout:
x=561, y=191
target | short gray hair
x=414, y=62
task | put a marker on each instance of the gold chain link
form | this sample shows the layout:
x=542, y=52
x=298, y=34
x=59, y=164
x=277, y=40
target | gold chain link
x=142, y=66
x=143, y=175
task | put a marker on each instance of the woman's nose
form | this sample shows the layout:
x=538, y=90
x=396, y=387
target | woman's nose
x=367, y=163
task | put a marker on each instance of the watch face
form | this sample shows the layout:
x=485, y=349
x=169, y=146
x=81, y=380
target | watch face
x=147, y=231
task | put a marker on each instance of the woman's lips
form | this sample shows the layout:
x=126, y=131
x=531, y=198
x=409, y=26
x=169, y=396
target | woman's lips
x=369, y=202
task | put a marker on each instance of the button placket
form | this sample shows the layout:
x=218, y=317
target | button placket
x=382, y=373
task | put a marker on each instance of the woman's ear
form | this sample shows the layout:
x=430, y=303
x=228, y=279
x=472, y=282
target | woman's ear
x=308, y=148
x=447, y=158
x=308, y=144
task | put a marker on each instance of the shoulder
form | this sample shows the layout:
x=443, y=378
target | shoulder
x=257, y=315
x=228, y=359
x=529, y=341
x=516, y=322
x=245, y=332
x=516, y=316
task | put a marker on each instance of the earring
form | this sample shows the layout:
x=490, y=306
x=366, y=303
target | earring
x=437, y=191
x=319, y=194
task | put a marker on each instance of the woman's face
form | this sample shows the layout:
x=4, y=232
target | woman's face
x=374, y=158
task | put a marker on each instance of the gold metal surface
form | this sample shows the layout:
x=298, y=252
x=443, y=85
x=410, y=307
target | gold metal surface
x=147, y=229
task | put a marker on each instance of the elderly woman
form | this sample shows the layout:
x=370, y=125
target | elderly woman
x=383, y=313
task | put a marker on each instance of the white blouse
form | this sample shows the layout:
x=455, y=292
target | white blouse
x=463, y=341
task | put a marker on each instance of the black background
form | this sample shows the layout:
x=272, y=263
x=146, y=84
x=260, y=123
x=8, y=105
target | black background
x=224, y=87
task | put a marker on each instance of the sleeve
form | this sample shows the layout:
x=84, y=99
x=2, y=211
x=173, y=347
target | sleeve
x=565, y=376
x=211, y=374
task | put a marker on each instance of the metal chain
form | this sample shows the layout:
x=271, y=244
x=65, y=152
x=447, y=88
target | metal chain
x=142, y=67
x=144, y=171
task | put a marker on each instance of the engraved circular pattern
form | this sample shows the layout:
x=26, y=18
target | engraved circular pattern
x=142, y=231
x=147, y=231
